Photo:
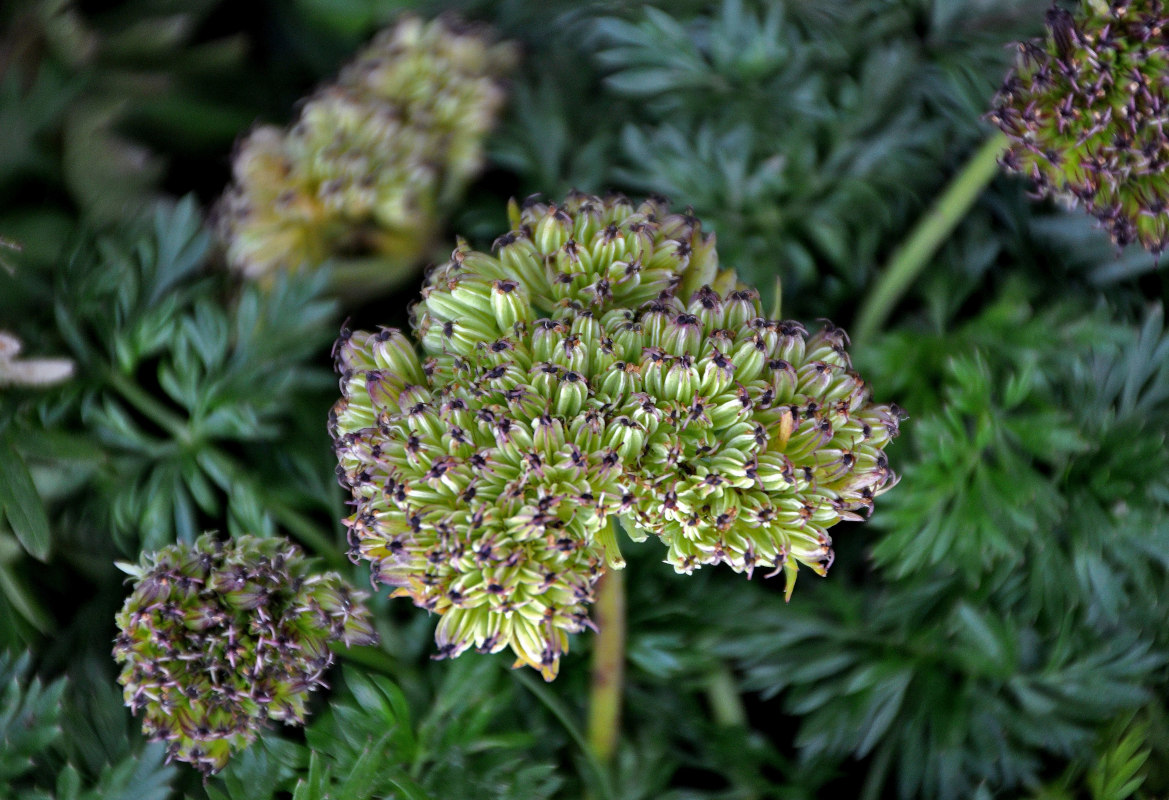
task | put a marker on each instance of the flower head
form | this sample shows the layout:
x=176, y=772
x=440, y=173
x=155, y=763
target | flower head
x=1084, y=112
x=445, y=78
x=487, y=462
x=217, y=638
x=371, y=159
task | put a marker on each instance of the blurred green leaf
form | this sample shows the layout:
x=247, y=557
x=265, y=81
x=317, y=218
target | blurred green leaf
x=21, y=504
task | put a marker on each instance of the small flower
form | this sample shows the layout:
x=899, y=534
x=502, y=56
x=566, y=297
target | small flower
x=372, y=159
x=217, y=638
x=1084, y=112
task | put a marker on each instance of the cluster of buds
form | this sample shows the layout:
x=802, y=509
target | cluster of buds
x=373, y=158
x=217, y=638
x=587, y=253
x=591, y=371
x=1085, y=112
x=753, y=438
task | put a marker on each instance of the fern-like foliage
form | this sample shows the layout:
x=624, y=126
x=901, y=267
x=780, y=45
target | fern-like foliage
x=101, y=88
x=802, y=132
x=943, y=695
x=29, y=714
x=36, y=731
x=185, y=395
x=1017, y=586
x=373, y=743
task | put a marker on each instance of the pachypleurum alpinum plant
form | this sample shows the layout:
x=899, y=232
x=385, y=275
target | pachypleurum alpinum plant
x=586, y=387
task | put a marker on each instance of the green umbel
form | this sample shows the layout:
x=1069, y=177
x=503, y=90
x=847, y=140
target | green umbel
x=218, y=638
x=487, y=460
x=586, y=253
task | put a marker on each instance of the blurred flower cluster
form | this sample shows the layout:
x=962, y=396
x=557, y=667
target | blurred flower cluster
x=1085, y=113
x=589, y=371
x=216, y=638
x=372, y=159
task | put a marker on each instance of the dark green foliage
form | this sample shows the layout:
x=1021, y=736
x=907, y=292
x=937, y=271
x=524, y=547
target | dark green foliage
x=801, y=133
x=90, y=94
x=28, y=717
x=20, y=504
x=138, y=311
x=1015, y=609
x=39, y=722
x=371, y=743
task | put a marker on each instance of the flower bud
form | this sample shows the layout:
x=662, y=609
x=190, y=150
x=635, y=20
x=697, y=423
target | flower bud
x=508, y=304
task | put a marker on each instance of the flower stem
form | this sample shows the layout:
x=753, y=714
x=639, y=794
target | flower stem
x=604, y=723
x=725, y=704
x=931, y=231
x=150, y=407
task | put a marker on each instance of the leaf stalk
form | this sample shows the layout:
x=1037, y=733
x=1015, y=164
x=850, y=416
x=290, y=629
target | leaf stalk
x=931, y=231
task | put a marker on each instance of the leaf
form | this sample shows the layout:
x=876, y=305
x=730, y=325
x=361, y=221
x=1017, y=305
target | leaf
x=21, y=504
x=24, y=601
x=29, y=714
x=142, y=776
x=1117, y=774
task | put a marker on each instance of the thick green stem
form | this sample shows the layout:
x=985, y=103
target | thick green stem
x=931, y=231
x=608, y=676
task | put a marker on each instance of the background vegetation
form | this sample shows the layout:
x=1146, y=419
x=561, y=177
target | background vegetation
x=996, y=630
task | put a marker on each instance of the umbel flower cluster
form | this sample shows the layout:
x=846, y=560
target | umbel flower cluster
x=373, y=158
x=598, y=367
x=1085, y=113
x=217, y=638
